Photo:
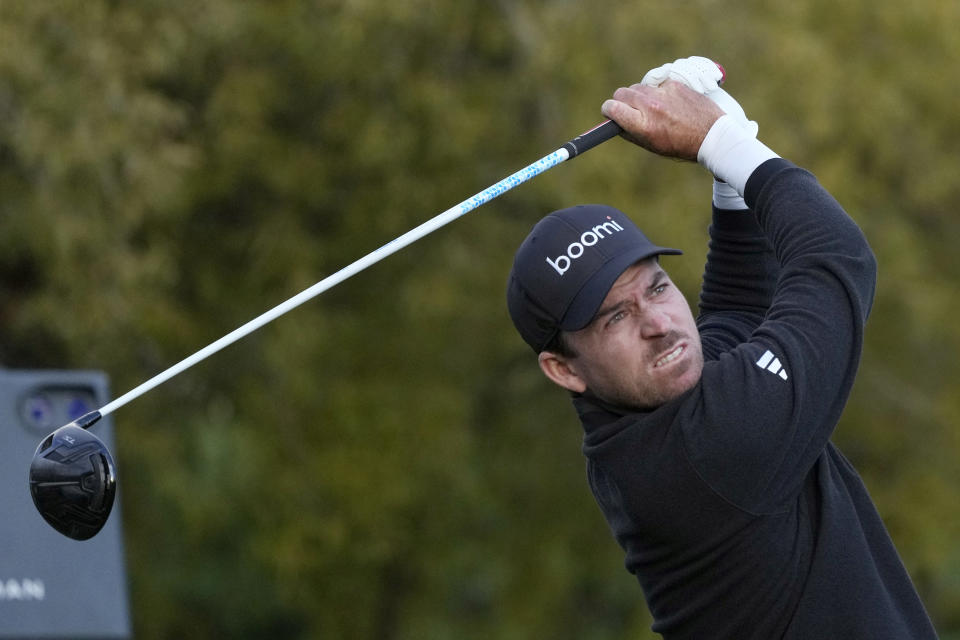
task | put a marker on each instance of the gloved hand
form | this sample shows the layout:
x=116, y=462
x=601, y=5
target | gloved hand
x=705, y=76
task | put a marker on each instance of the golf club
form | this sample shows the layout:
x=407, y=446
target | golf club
x=73, y=477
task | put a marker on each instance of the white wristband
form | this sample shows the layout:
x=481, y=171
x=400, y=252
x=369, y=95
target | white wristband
x=731, y=153
x=726, y=198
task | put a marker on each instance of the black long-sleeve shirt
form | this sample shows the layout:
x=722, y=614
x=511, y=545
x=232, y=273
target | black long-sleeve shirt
x=737, y=514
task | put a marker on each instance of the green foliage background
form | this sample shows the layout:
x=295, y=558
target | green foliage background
x=387, y=461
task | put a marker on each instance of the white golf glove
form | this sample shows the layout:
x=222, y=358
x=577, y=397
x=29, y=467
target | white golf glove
x=704, y=76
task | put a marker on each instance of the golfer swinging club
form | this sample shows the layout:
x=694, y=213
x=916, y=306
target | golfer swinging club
x=707, y=440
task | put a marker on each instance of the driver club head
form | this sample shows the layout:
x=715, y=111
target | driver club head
x=73, y=479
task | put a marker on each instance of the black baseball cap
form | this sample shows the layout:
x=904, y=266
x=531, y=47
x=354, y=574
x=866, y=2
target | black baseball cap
x=566, y=266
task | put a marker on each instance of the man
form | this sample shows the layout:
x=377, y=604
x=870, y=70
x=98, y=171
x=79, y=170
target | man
x=707, y=440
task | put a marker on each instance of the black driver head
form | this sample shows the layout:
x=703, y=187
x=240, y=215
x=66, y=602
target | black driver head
x=73, y=479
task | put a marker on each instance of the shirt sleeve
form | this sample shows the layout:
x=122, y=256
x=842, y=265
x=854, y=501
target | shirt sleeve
x=739, y=278
x=765, y=410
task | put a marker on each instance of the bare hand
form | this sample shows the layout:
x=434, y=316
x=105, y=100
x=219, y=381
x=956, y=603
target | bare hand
x=670, y=120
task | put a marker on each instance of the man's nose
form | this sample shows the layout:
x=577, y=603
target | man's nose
x=655, y=324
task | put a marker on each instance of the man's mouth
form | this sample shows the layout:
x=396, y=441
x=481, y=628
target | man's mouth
x=670, y=357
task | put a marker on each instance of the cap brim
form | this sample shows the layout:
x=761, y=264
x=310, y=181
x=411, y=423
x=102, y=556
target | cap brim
x=587, y=302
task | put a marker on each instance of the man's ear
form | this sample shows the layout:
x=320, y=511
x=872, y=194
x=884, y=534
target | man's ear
x=561, y=371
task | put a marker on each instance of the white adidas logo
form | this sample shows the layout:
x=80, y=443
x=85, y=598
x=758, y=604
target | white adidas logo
x=772, y=364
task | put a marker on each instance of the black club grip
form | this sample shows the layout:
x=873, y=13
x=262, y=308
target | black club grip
x=586, y=141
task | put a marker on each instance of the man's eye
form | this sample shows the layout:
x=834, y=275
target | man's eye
x=659, y=289
x=617, y=317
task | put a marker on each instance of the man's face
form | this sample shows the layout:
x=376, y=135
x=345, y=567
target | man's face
x=642, y=348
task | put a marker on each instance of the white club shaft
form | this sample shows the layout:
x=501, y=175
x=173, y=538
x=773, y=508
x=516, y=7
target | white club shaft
x=395, y=245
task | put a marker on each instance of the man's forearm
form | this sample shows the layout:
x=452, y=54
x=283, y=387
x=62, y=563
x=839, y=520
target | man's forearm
x=741, y=270
x=739, y=280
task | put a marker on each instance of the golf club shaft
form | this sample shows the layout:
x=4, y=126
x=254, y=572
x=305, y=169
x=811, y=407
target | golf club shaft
x=574, y=147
